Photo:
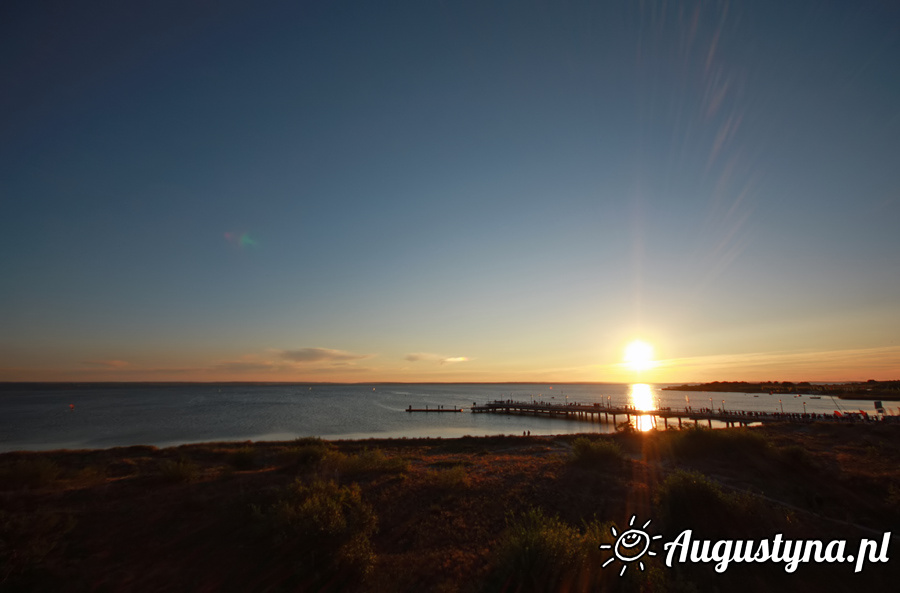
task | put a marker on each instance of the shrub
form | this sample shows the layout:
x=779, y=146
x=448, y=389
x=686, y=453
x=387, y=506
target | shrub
x=326, y=528
x=243, y=458
x=689, y=500
x=307, y=441
x=599, y=453
x=307, y=451
x=796, y=456
x=178, y=470
x=366, y=461
x=448, y=479
x=543, y=553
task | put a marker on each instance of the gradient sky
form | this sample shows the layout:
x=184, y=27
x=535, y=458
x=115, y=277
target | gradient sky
x=451, y=191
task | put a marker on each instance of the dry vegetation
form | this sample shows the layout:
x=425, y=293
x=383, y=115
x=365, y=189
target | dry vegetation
x=470, y=514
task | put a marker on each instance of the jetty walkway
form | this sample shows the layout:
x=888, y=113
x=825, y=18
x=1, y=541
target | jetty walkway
x=599, y=412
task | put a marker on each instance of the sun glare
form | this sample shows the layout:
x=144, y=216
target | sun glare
x=641, y=397
x=639, y=356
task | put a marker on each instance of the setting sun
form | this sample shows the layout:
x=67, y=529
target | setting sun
x=639, y=355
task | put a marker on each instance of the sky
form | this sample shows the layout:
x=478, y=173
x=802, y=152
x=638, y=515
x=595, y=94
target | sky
x=449, y=191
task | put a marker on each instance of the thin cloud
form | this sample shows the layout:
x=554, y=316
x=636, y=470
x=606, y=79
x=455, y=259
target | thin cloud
x=453, y=359
x=431, y=357
x=241, y=366
x=417, y=356
x=341, y=369
x=108, y=364
x=320, y=354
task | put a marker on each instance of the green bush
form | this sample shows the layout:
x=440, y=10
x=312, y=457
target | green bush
x=181, y=470
x=326, y=528
x=542, y=553
x=689, y=500
x=600, y=453
x=307, y=451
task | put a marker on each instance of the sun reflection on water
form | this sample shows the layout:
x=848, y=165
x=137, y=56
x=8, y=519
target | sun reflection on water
x=641, y=398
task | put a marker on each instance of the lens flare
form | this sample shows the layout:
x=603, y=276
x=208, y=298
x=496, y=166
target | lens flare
x=240, y=239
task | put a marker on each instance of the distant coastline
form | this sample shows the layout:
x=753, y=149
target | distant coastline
x=888, y=390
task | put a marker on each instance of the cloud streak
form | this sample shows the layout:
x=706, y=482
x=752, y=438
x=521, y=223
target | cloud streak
x=244, y=366
x=107, y=364
x=431, y=357
x=320, y=355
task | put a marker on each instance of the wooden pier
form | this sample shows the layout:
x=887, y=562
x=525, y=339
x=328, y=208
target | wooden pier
x=601, y=413
x=438, y=409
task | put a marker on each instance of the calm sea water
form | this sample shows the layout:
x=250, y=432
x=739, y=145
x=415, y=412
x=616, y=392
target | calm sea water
x=40, y=418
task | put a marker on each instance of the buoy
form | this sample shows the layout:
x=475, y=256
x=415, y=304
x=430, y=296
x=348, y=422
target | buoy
x=71, y=406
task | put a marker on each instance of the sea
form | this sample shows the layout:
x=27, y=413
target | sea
x=95, y=416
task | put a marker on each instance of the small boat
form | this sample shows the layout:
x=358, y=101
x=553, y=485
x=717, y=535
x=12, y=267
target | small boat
x=815, y=397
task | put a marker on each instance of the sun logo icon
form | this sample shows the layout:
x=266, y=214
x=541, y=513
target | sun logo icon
x=630, y=546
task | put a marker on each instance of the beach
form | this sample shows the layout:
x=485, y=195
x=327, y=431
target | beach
x=507, y=513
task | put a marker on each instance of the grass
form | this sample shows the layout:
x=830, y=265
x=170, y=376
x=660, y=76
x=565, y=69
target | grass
x=27, y=539
x=366, y=461
x=29, y=472
x=703, y=442
x=452, y=478
x=498, y=514
x=244, y=458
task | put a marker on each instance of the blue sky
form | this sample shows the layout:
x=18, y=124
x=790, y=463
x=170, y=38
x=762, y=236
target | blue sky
x=449, y=191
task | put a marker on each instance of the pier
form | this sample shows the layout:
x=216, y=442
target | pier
x=601, y=413
x=438, y=409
